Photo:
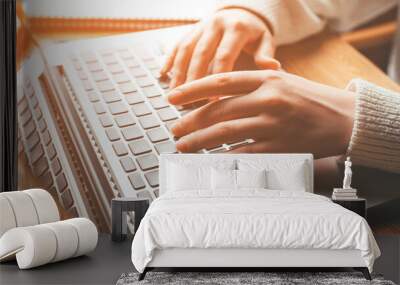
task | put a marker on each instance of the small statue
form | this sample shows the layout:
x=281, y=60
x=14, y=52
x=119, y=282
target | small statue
x=347, y=174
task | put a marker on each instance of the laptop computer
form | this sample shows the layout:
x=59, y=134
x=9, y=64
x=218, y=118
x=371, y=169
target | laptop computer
x=93, y=119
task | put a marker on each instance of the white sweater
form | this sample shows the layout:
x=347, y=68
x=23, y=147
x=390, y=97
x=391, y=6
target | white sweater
x=375, y=140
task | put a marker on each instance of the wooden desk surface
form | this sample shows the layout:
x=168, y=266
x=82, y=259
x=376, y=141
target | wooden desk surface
x=328, y=59
x=325, y=58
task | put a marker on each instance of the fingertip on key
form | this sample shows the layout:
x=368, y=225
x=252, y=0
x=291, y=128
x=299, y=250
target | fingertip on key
x=173, y=96
x=182, y=146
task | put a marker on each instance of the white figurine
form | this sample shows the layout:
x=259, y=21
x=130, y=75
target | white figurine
x=347, y=174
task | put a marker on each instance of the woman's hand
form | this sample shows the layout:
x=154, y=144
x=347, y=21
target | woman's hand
x=281, y=112
x=217, y=42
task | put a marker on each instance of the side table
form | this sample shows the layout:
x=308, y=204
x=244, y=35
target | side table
x=358, y=206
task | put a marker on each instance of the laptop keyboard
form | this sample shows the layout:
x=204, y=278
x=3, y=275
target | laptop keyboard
x=35, y=139
x=129, y=99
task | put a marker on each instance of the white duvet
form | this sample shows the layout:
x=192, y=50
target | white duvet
x=250, y=219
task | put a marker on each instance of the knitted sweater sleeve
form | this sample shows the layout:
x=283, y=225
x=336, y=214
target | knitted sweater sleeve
x=375, y=139
x=293, y=20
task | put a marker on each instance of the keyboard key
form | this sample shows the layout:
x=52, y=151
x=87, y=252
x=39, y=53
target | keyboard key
x=152, y=178
x=110, y=59
x=46, y=137
x=115, y=68
x=140, y=146
x=94, y=66
x=40, y=167
x=152, y=64
x=131, y=62
x=144, y=194
x=124, y=120
x=134, y=98
x=34, y=102
x=128, y=164
x=158, y=102
x=99, y=108
x=56, y=166
x=125, y=54
x=138, y=72
x=106, y=51
x=131, y=133
x=42, y=125
x=82, y=75
x=29, y=128
x=148, y=122
x=77, y=65
x=121, y=77
x=136, y=180
x=106, y=120
x=152, y=91
x=51, y=151
x=112, y=134
x=61, y=182
x=144, y=53
x=165, y=147
x=89, y=56
x=167, y=114
x=144, y=81
x=157, y=135
x=120, y=148
x=127, y=87
x=111, y=96
x=99, y=76
x=93, y=96
x=148, y=161
x=141, y=109
x=156, y=73
x=87, y=85
x=118, y=108
x=47, y=179
x=67, y=200
x=105, y=86
x=73, y=213
x=33, y=140
x=25, y=117
x=38, y=113
x=23, y=105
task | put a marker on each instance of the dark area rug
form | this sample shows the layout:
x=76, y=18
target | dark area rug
x=243, y=278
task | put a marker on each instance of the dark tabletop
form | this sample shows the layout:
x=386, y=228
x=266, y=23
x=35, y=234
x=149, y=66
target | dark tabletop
x=102, y=266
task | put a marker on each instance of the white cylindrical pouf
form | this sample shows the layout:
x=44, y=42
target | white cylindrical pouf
x=7, y=218
x=34, y=245
x=87, y=234
x=67, y=239
x=23, y=208
x=45, y=205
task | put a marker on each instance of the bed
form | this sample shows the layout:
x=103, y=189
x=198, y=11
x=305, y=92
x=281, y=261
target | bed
x=247, y=210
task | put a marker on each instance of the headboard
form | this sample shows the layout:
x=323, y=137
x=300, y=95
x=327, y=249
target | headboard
x=210, y=158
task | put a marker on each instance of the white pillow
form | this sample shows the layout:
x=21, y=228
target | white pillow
x=251, y=178
x=183, y=177
x=288, y=175
x=185, y=173
x=226, y=179
x=223, y=179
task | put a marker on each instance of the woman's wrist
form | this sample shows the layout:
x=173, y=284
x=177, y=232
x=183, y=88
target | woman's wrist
x=267, y=23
